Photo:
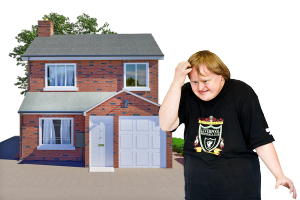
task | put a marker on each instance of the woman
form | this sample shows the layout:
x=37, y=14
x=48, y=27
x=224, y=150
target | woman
x=223, y=125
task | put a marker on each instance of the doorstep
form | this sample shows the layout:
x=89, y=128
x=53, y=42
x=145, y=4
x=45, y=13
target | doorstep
x=101, y=169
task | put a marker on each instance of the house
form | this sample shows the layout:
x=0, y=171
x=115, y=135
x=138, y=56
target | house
x=93, y=98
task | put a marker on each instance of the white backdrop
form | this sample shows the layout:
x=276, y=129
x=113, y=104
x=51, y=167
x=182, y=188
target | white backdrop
x=257, y=40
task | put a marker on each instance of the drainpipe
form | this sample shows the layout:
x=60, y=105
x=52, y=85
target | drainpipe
x=28, y=88
x=22, y=135
x=29, y=69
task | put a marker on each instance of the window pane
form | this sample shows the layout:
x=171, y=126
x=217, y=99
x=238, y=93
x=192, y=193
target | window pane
x=66, y=131
x=51, y=75
x=141, y=75
x=70, y=75
x=130, y=75
x=48, y=132
x=57, y=124
x=43, y=132
x=60, y=70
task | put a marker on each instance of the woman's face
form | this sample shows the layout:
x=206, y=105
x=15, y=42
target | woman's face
x=206, y=86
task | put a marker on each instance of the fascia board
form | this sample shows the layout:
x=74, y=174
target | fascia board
x=49, y=113
x=24, y=58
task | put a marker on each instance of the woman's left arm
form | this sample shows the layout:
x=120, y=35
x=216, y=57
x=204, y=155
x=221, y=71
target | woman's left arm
x=268, y=155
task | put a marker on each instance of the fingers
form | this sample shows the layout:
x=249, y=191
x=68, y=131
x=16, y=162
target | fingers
x=293, y=190
x=295, y=194
x=291, y=186
x=288, y=184
x=189, y=69
x=184, y=66
x=181, y=71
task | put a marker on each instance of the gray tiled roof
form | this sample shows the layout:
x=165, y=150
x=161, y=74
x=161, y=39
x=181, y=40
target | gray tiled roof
x=35, y=102
x=94, y=45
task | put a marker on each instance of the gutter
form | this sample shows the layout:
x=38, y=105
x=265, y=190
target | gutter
x=116, y=57
x=52, y=112
x=95, y=55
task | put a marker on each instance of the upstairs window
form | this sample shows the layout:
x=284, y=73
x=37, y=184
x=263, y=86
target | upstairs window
x=136, y=76
x=60, y=76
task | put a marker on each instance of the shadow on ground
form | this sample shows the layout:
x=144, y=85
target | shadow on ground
x=9, y=148
x=54, y=163
x=178, y=158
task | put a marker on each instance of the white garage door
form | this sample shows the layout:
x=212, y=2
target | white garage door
x=142, y=143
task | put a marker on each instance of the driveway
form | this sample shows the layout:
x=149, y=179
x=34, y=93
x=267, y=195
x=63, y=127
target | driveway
x=70, y=180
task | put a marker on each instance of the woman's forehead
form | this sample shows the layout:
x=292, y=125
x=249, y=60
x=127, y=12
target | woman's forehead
x=204, y=71
x=204, y=74
x=194, y=75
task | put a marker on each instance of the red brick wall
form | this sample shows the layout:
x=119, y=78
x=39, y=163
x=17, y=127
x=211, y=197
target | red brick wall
x=31, y=139
x=114, y=107
x=96, y=76
x=169, y=149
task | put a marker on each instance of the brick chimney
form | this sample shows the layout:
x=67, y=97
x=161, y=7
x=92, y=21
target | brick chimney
x=45, y=28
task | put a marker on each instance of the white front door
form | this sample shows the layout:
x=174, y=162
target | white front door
x=101, y=141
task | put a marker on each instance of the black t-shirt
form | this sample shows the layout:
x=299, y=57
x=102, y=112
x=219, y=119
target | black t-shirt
x=219, y=139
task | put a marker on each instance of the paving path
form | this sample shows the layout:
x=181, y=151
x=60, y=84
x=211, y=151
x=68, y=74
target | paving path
x=53, y=180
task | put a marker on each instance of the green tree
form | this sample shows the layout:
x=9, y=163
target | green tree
x=62, y=26
x=87, y=25
x=130, y=81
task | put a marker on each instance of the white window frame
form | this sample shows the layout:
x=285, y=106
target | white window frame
x=60, y=88
x=137, y=88
x=56, y=146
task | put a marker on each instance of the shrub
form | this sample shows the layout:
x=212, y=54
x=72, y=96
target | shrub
x=178, y=145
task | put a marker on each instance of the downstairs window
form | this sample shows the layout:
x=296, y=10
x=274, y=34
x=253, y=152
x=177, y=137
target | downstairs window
x=56, y=134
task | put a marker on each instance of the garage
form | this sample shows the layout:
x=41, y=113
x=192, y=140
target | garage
x=142, y=144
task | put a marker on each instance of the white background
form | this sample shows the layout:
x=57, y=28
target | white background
x=257, y=40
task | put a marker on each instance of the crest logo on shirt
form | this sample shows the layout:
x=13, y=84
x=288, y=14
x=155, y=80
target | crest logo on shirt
x=209, y=136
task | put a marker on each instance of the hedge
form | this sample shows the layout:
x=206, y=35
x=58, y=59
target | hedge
x=178, y=145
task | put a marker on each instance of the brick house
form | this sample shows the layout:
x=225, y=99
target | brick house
x=93, y=98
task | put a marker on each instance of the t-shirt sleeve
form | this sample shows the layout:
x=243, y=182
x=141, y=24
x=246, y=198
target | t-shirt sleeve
x=182, y=105
x=255, y=126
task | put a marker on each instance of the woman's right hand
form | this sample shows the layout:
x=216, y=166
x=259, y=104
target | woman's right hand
x=181, y=71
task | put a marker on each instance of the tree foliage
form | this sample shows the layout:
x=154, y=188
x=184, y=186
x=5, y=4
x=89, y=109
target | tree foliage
x=62, y=26
x=131, y=82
